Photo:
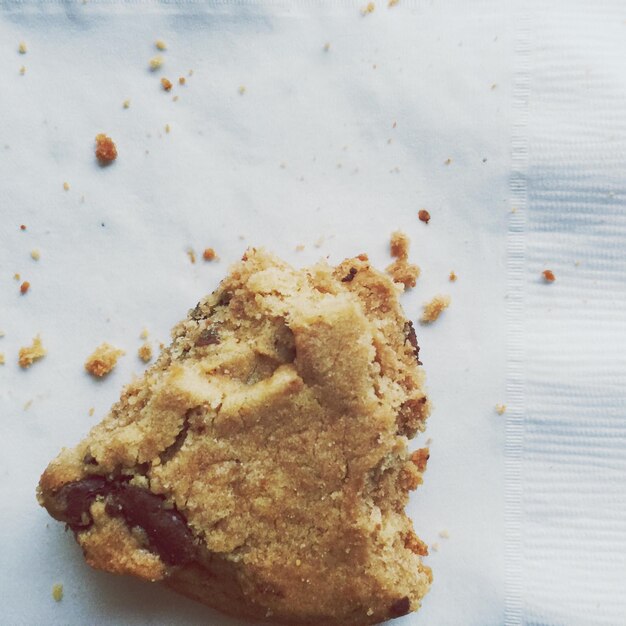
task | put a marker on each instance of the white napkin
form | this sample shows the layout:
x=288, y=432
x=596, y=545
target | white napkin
x=331, y=147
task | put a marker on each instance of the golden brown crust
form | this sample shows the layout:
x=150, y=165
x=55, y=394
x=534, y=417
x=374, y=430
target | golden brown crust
x=276, y=425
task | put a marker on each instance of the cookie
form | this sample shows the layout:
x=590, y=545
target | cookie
x=260, y=466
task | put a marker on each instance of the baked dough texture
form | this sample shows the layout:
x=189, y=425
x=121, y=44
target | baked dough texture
x=261, y=466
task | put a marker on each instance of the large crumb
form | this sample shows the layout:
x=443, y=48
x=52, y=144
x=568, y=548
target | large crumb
x=106, y=150
x=423, y=215
x=145, y=352
x=57, y=592
x=434, y=308
x=401, y=271
x=103, y=359
x=29, y=354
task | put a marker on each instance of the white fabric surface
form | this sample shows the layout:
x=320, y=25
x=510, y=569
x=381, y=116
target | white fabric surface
x=302, y=157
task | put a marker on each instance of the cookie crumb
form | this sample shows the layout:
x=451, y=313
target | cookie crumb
x=2, y=333
x=16, y=276
x=91, y=411
x=242, y=89
x=452, y=277
x=126, y=103
x=144, y=334
x=22, y=48
x=209, y=254
x=548, y=276
x=370, y=7
x=166, y=83
x=22, y=70
x=106, y=150
x=167, y=128
x=401, y=271
x=444, y=534
x=24, y=287
x=424, y=216
x=22, y=226
x=182, y=80
x=300, y=247
x=434, y=546
x=66, y=186
x=434, y=308
x=35, y=255
x=500, y=408
x=327, y=46
x=2, y=358
x=160, y=45
x=145, y=352
x=103, y=359
x=156, y=63
x=57, y=592
x=447, y=161
x=191, y=254
x=29, y=354
x=393, y=3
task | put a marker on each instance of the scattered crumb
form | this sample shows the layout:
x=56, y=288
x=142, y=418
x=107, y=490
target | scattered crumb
x=103, y=359
x=300, y=247
x=22, y=226
x=429, y=441
x=91, y=412
x=434, y=547
x=1, y=358
x=424, y=216
x=29, y=354
x=22, y=49
x=161, y=346
x=156, y=63
x=319, y=243
x=16, y=276
x=370, y=7
x=35, y=255
x=57, y=592
x=327, y=46
x=22, y=70
x=166, y=83
x=434, y=308
x=182, y=80
x=190, y=73
x=548, y=276
x=452, y=278
x=191, y=254
x=24, y=287
x=514, y=210
x=27, y=405
x=401, y=271
x=500, y=408
x=392, y=3
x=144, y=334
x=160, y=45
x=174, y=98
x=242, y=89
x=394, y=124
x=66, y=186
x=145, y=352
x=444, y=534
x=126, y=103
x=494, y=86
x=209, y=254
x=167, y=128
x=2, y=333
x=106, y=150
x=447, y=161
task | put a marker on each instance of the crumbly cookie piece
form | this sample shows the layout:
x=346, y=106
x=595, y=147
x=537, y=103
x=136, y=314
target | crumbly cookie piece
x=261, y=465
x=103, y=359
x=29, y=354
x=434, y=308
x=401, y=271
